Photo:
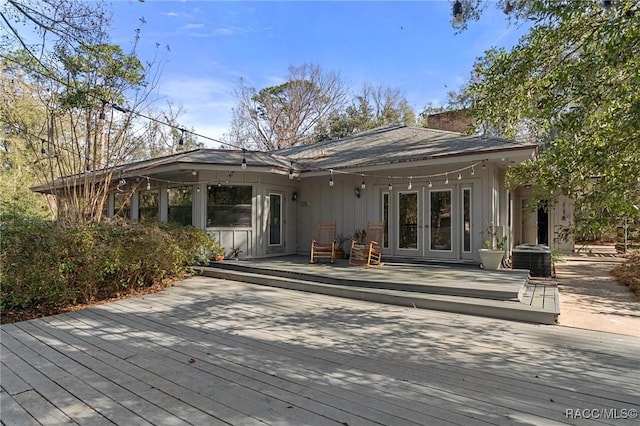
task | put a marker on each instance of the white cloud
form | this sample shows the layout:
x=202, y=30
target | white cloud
x=198, y=89
x=193, y=26
x=206, y=103
x=211, y=129
x=221, y=31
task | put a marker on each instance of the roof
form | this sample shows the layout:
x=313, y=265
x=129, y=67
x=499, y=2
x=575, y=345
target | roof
x=377, y=147
x=187, y=159
x=391, y=145
x=222, y=157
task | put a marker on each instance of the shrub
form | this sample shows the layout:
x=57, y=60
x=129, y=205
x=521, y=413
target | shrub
x=49, y=268
x=628, y=273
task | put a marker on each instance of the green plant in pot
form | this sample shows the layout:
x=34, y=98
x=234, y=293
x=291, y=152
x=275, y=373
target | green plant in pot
x=340, y=240
x=234, y=253
x=217, y=254
x=494, y=248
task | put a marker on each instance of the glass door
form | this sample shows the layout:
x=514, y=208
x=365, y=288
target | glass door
x=440, y=221
x=407, y=221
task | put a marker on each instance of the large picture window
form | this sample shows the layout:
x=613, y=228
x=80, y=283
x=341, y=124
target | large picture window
x=229, y=206
x=180, y=205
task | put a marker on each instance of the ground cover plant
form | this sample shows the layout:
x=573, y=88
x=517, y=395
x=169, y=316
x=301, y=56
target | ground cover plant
x=47, y=269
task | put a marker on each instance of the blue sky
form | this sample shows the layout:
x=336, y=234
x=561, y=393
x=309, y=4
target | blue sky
x=406, y=45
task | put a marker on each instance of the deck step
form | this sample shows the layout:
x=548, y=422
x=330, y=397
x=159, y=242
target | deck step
x=528, y=310
x=508, y=291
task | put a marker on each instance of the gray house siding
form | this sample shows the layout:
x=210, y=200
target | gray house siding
x=319, y=202
x=394, y=155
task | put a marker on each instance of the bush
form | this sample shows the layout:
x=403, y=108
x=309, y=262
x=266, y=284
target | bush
x=49, y=268
x=629, y=273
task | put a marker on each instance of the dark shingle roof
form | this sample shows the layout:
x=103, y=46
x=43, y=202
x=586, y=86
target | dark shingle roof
x=210, y=156
x=393, y=145
x=383, y=146
x=181, y=160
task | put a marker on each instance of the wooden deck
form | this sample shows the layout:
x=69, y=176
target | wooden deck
x=210, y=352
x=463, y=289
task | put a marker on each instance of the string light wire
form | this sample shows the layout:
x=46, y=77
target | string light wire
x=183, y=131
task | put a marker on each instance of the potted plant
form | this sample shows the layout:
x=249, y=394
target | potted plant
x=234, y=253
x=217, y=254
x=360, y=236
x=493, y=252
x=340, y=240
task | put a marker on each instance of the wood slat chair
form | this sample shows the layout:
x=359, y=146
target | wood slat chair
x=369, y=253
x=324, y=246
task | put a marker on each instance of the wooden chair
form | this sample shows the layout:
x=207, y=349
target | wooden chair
x=369, y=253
x=324, y=246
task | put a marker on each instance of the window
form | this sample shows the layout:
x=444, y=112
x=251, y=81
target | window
x=275, y=219
x=229, y=206
x=466, y=221
x=385, y=218
x=122, y=205
x=180, y=205
x=148, y=205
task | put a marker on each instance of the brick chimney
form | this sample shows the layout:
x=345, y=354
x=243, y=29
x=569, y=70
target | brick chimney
x=454, y=121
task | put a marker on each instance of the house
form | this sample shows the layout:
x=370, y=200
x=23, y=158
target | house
x=435, y=190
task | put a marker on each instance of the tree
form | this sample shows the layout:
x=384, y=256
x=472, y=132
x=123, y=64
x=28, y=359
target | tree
x=372, y=107
x=19, y=163
x=163, y=139
x=285, y=115
x=572, y=84
x=84, y=96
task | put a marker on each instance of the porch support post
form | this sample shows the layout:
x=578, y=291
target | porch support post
x=163, y=204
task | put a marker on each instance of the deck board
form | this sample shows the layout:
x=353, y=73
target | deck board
x=273, y=356
x=252, y=371
x=487, y=343
x=542, y=395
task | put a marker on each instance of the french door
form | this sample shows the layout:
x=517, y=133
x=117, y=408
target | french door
x=433, y=222
x=408, y=241
x=439, y=223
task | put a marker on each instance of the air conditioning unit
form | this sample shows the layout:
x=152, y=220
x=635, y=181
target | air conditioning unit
x=534, y=257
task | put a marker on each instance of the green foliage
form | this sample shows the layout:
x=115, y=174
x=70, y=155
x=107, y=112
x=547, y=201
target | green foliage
x=572, y=85
x=100, y=72
x=69, y=104
x=44, y=265
x=494, y=241
x=372, y=107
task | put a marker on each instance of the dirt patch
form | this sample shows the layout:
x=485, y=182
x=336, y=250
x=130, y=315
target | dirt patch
x=591, y=297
